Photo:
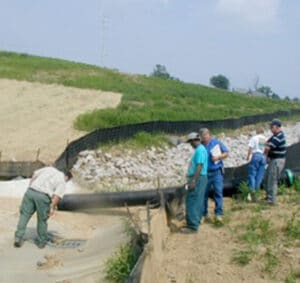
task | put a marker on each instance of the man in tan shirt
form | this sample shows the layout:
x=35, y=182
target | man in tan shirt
x=46, y=189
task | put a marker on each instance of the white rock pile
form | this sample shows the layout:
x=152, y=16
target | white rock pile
x=155, y=167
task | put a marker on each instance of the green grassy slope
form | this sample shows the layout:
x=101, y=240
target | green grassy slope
x=144, y=98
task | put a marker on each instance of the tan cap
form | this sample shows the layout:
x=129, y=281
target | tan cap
x=192, y=136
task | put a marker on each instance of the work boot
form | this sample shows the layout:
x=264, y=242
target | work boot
x=18, y=243
x=39, y=244
x=187, y=230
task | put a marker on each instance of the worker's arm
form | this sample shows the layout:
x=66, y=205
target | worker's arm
x=267, y=150
x=249, y=153
x=54, y=202
x=223, y=155
x=192, y=183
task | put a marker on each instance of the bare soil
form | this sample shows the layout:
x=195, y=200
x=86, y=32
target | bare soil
x=208, y=255
x=39, y=116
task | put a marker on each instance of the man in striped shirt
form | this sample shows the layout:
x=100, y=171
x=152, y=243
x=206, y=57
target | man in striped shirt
x=276, y=152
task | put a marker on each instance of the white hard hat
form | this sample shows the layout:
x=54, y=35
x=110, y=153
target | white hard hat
x=193, y=136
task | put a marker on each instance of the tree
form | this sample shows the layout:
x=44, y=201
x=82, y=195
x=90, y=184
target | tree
x=266, y=90
x=219, y=81
x=296, y=99
x=160, y=71
x=275, y=96
x=287, y=98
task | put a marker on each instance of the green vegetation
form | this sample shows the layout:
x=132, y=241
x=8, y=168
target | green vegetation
x=297, y=184
x=144, y=98
x=258, y=231
x=271, y=261
x=293, y=227
x=292, y=277
x=120, y=265
x=243, y=257
x=140, y=140
x=265, y=237
x=219, y=81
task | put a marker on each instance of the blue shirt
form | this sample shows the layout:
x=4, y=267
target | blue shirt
x=211, y=164
x=199, y=157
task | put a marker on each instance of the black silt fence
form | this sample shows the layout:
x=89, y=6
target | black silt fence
x=101, y=136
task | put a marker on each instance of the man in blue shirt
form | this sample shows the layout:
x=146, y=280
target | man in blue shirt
x=197, y=181
x=217, y=151
x=276, y=151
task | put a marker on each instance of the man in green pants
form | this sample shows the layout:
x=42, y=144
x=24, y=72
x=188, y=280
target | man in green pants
x=46, y=189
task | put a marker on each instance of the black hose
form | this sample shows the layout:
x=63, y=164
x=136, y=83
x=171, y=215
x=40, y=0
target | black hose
x=234, y=176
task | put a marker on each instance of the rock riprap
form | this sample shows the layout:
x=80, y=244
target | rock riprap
x=156, y=166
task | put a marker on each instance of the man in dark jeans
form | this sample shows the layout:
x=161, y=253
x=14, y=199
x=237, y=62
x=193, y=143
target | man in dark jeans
x=276, y=152
x=217, y=151
x=46, y=189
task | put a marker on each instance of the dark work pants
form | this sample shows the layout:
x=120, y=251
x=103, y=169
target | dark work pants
x=32, y=202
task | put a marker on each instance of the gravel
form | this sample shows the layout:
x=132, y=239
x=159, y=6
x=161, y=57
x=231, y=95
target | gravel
x=157, y=166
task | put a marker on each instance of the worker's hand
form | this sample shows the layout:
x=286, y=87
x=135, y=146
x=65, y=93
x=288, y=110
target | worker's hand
x=192, y=185
x=51, y=212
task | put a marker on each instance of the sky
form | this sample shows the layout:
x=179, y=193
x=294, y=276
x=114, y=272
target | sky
x=247, y=41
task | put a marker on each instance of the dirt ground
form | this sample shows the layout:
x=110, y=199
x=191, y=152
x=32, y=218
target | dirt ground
x=103, y=232
x=208, y=256
x=39, y=116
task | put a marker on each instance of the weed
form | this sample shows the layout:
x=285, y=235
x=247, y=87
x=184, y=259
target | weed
x=245, y=191
x=119, y=266
x=258, y=231
x=243, y=257
x=237, y=207
x=297, y=184
x=282, y=190
x=291, y=278
x=293, y=227
x=129, y=229
x=271, y=261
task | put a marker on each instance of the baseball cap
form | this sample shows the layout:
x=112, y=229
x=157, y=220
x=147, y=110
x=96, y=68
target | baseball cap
x=276, y=122
x=192, y=136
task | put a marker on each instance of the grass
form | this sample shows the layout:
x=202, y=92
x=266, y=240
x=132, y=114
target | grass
x=297, y=184
x=271, y=262
x=244, y=191
x=292, y=277
x=144, y=98
x=243, y=257
x=265, y=241
x=258, y=231
x=119, y=266
x=140, y=140
x=292, y=229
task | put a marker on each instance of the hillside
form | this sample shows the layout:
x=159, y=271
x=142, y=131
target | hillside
x=144, y=98
x=39, y=117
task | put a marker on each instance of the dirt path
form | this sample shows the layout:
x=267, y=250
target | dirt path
x=38, y=116
x=208, y=256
